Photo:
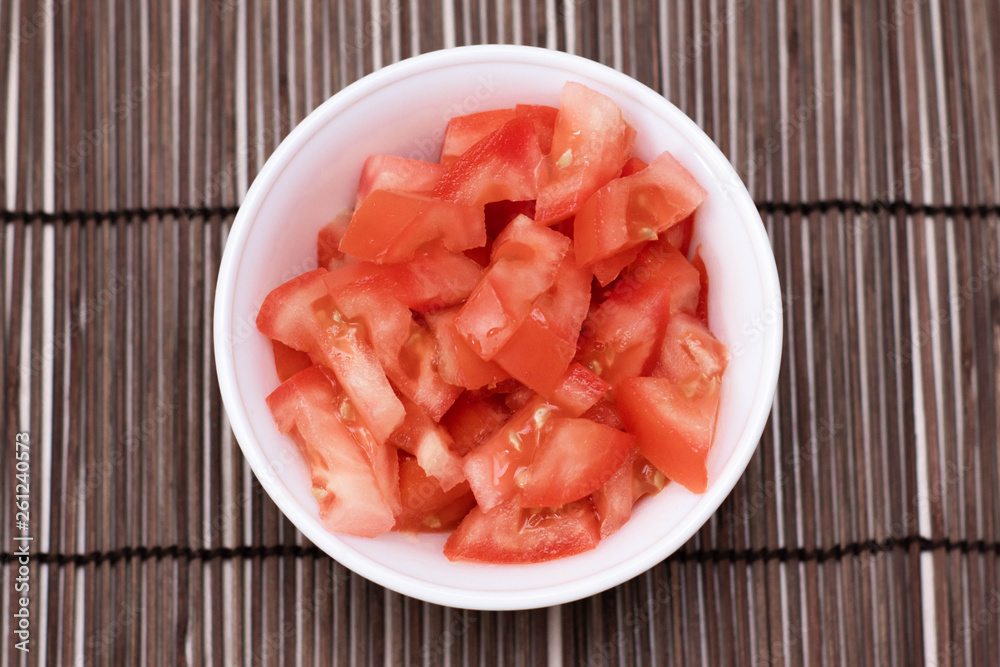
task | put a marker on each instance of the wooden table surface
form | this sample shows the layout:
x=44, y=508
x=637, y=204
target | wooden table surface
x=865, y=530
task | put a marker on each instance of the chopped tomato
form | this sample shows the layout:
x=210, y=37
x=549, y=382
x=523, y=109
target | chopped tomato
x=500, y=213
x=301, y=314
x=633, y=165
x=630, y=211
x=431, y=445
x=518, y=397
x=510, y=534
x=544, y=118
x=427, y=508
x=353, y=477
x=500, y=167
x=619, y=338
x=691, y=357
x=388, y=172
x=605, y=412
x=579, y=390
x=524, y=263
x=415, y=373
x=328, y=241
x=607, y=269
x=473, y=418
x=464, y=132
x=679, y=236
x=574, y=457
x=288, y=361
x=457, y=362
x=614, y=501
x=590, y=145
x=672, y=430
x=394, y=226
x=542, y=347
x=433, y=280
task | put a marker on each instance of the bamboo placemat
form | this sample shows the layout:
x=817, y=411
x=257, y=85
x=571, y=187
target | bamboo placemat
x=865, y=530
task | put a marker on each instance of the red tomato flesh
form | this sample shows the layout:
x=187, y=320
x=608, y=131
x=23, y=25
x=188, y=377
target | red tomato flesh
x=457, y=361
x=464, y=132
x=590, y=145
x=524, y=263
x=630, y=211
x=510, y=534
x=394, y=226
x=388, y=172
x=328, y=241
x=288, y=361
x=473, y=418
x=500, y=167
x=544, y=119
x=431, y=445
x=353, y=477
x=672, y=430
x=427, y=508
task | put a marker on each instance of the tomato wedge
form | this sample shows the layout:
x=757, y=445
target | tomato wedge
x=590, y=144
x=574, y=457
x=524, y=263
x=544, y=119
x=691, y=357
x=500, y=167
x=288, y=361
x=457, y=362
x=394, y=226
x=542, y=347
x=629, y=211
x=431, y=445
x=353, y=477
x=427, y=508
x=388, y=172
x=672, y=430
x=328, y=241
x=464, y=132
x=473, y=418
x=510, y=534
x=301, y=314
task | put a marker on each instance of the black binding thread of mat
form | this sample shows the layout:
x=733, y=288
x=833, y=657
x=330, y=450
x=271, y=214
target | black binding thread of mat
x=856, y=549
x=874, y=207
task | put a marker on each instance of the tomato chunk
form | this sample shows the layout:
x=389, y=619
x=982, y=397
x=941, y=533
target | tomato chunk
x=590, y=145
x=393, y=226
x=433, y=280
x=510, y=534
x=500, y=167
x=633, y=165
x=672, y=430
x=288, y=361
x=691, y=357
x=630, y=211
x=427, y=508
x=544, y=119
x=542, y=347
x=431, y=445
x=607, y=269
x=388, y=172
x=457, y=362
x=473, y=418
x=699, y=264
x=328, y=241
x=524, y=263
x=574, y=457
x=464, y=132
x=353, y=477
x=579, y=390
x=301, y=314
x=620, y=337
x=614, y=501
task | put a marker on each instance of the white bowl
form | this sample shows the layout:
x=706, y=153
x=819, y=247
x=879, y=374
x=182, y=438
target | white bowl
x=403, y=109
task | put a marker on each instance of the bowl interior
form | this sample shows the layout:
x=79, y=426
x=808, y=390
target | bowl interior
x=403, y=111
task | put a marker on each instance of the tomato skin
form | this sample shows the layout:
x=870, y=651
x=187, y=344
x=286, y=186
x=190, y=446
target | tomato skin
x=328, y=241
x=427, y=508
x=464, y=132
x=544, y=119
x=590, y=144
x=510, y=534
x=354, y=479
x=500, y=167
x=574, y=457
x=301, y=314
x=632, y=210
x=542, y=347
x=394, y=226
x=672, y=430
x=388, y=172
x=288, y=361
x=523, y=265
